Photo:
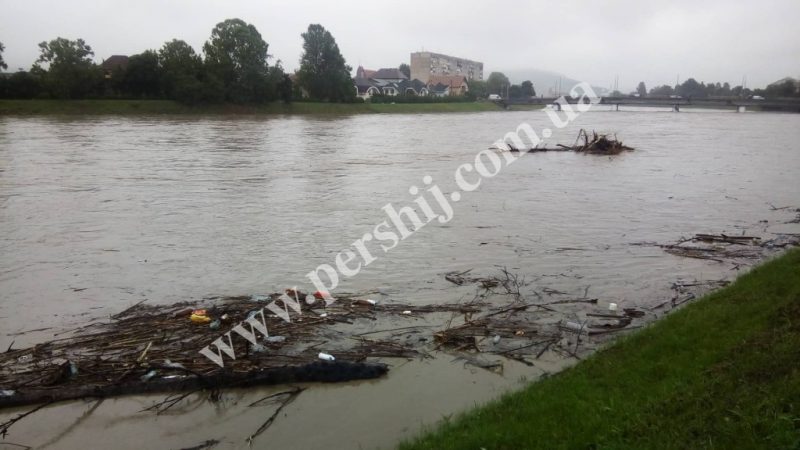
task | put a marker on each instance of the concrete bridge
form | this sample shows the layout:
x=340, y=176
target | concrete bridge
x=675, y=103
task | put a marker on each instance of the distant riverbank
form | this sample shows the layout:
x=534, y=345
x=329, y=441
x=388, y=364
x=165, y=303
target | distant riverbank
x=129, y=107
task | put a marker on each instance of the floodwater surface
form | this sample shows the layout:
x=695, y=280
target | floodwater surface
x=99, y=213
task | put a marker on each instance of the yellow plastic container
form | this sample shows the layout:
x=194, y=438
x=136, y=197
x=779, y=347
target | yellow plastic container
x=197, y=318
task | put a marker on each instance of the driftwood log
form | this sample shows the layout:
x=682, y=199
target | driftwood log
x=318, y=371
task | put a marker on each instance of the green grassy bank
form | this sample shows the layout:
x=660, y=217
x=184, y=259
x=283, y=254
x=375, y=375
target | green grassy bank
x=722, y=373
x=126, y=107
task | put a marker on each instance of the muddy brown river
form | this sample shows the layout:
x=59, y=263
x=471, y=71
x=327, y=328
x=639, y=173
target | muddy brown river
x=99, y=213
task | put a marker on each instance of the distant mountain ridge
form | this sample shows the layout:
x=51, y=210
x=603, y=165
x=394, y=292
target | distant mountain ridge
x=545, y=82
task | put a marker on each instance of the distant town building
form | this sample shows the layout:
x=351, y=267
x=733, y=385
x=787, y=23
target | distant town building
x=456, y=84
x=113, y=64
x=361, y=72
x=424, y=65
x=389, y=82
x=390, y=75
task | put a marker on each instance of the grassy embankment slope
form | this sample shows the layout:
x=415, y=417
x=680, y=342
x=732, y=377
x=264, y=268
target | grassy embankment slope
x=721, y=373
x=125, y=107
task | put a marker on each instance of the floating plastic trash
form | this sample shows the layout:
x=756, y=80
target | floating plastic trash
x=407, y=312
x=149, y=376
x=496, y=338
x=215, y=324
x=25, y=358
x=367, y=303
x=275, y=339
x=171, y=365
x=574, y=326
x=259, y=298
x=319, y=295
x=7, y=393
x=195, y=318
x=258, y=348
x=612, y=306
x=199, y=316
x=324, y=315
x=326, y=357
x=73, y=369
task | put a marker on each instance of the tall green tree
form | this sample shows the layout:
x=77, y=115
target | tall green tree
x=3, y=64
x=497, y=83
x=477, y=89
x=406, y=70
x=691, y=88
x=185, y=78
x=181, y=68
x=70, y=72
x=740, y=91
x=323, y=70
x=527, y=89
x=787, y=88
x=237, y=56
x=662, y=90
x=143, y=75
x=641, y=89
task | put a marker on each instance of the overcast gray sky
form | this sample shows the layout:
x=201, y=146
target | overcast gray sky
x=591, y=41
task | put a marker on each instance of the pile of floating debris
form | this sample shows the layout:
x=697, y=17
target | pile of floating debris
x=598, y=144
x=524, y=330
x=155, y=348
x=722, y=247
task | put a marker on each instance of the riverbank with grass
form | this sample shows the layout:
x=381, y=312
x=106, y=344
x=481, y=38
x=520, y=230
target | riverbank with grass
x=721, y=373
x=131, y=107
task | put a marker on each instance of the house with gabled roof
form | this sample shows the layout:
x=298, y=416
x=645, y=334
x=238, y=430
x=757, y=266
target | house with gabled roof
x=389, y=82
x=389, y=75
x=439, y=90
x=363, y=73
x=413, y=87
x=456, y=84
x=366, y=88
x=113, y=64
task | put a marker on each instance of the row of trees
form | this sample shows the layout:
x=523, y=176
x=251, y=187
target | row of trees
x=692, y=89
x=234, y=68
x=497, y=83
